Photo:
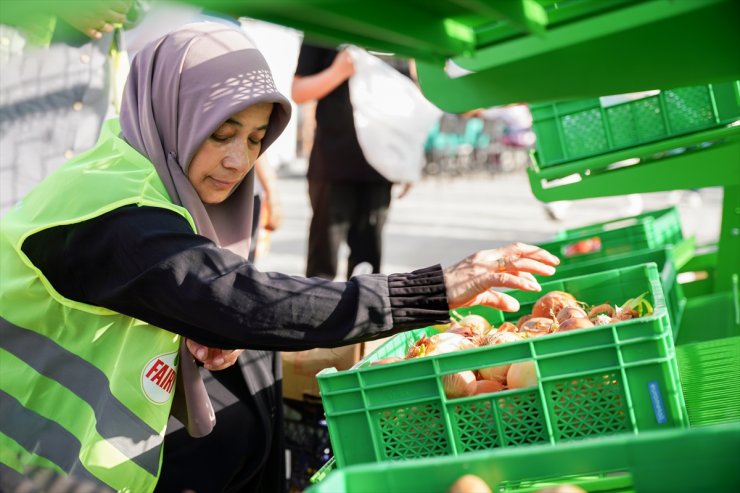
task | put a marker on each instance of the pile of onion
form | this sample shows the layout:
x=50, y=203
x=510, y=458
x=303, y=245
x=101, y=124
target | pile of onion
x=554, y=312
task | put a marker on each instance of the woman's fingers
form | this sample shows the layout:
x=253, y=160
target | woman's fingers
x=223, y=358
x=531, y=251
x=515, y=281
x=199, y=351
x=494, y=299
x=213, y=358
x=524, y=264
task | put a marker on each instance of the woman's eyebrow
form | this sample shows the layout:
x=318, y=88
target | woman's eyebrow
x=231, y=121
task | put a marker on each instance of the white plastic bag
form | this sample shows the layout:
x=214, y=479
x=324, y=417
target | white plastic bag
x=392, y=118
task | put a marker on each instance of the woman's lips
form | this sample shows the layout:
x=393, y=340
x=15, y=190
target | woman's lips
x=222, y=184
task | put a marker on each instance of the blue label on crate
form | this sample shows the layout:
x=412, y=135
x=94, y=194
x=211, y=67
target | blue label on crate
x=657, y=401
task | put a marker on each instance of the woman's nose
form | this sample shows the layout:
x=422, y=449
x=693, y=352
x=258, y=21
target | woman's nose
x=237, y=156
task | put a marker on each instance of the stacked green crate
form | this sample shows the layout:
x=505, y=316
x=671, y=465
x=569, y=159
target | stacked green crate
x=571, y=130
x=653, y=236
x=649, y=230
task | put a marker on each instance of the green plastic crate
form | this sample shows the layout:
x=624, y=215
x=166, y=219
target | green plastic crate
x=668, y=260
x=710, y=379
x=613, y=379
x=676, y=461
x=652, y=229
x=572, y=130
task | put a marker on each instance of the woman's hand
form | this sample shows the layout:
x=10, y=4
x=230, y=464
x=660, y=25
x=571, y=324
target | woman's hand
x=469, y=282
x=213, y=359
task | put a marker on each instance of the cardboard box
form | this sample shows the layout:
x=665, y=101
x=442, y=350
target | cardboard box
x=300, y=367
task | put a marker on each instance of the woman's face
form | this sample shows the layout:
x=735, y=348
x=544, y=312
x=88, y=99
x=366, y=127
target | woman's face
x=225, y=158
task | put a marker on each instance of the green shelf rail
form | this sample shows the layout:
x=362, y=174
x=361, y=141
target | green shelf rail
x=525, y=50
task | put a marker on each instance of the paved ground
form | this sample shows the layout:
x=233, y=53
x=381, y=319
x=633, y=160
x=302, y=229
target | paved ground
x=444, y=219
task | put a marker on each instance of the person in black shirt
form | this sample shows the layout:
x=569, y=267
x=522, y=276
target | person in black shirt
x=349, y=198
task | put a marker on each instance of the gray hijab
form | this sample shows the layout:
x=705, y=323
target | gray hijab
x=180, y=89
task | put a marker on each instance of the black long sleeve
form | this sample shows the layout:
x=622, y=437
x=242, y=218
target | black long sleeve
x=147, y=263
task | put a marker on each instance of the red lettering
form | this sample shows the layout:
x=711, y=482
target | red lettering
x=159, y=377
x=154, y=367
x=169, y=381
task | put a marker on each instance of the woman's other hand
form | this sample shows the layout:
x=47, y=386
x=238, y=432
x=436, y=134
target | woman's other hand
x=213, y=359
x=95, y=18
x=469, y=282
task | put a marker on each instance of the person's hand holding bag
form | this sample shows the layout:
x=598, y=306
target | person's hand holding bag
x=469, y=281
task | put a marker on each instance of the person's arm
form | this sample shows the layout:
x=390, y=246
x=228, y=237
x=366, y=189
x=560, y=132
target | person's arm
x=147, y=263
x=317, y=86
x=266, y=176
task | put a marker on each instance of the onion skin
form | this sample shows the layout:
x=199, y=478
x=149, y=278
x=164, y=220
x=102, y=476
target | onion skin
x=438, y=344
x=522, y=320
x=469, y=483
x=604, y=308
x=569, y=312
x=463, y=330
x=461, y=384
x=551, y=303
x=539, y=326
x=508, y=327
x=522, y=375
x=602, y=319
x=385, y=361
x=477, y=322
x=574, y=324
x=497, y=373
x=488, y=386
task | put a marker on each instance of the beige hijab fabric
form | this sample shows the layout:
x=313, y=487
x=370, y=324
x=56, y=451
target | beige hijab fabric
x=180, y=89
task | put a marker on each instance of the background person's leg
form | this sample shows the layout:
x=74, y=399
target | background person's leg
x=365, y=237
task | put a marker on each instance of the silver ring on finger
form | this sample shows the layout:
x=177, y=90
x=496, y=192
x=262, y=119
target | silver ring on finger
x=501, y=265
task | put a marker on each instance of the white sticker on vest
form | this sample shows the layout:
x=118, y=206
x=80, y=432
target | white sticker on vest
x=158, y=378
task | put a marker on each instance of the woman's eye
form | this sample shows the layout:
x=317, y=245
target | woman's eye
x=220, y=138
x=254, y=141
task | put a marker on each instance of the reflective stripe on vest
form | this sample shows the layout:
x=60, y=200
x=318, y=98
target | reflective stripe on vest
x=114, y=422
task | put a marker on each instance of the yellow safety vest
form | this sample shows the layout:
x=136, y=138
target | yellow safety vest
x=84, y=391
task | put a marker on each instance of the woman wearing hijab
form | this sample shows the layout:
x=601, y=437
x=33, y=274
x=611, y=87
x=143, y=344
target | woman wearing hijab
x=140, y=244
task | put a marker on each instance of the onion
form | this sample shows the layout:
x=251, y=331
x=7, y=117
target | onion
x=463, y=330
x=461, y=384
x=539, y=326
x=571, y=312
x=574, y=323
x=522, y=375
x=522, y=320
x=551, y=303
x=469, y=483
x=438, y=344
x=476, y=321
x=508, y=327
x=488, y=386
x=498, y=373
